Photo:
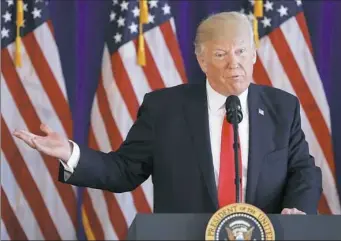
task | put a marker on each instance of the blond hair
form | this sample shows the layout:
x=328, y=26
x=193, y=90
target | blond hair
x=212, y=26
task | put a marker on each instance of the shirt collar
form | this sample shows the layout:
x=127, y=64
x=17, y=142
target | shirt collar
x=216, y=101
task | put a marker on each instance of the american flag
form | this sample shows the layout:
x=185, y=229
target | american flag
x=34, y=205
x=122, y=86
x=286, y=61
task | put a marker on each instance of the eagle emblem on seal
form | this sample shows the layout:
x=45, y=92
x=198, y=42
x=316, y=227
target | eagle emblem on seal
x=239, y=234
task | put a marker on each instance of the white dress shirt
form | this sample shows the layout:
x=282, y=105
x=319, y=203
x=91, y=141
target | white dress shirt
x=216, y=110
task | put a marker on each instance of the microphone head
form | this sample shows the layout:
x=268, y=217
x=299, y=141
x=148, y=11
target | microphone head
x=233, y=109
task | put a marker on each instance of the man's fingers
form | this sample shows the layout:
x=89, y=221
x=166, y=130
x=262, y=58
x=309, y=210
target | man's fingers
x=285, y=211
x=292, y=211
x=26, y=136
x=296, y=211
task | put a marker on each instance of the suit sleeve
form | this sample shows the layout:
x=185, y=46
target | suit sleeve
x=121, y=170
x=304, y=185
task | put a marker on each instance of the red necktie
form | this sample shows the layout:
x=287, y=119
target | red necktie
x=226, y=185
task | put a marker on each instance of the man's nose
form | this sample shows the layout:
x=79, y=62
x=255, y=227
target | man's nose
x=232, y=61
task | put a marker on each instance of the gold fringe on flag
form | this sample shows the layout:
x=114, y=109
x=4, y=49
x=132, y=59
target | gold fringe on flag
x=20, y=23
x=258, y=13
x=141, y=56
x=87, y=226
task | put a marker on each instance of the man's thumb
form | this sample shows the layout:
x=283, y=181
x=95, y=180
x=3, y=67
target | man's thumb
x=45, y=128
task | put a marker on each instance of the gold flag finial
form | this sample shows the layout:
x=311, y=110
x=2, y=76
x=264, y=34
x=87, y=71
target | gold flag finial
x=20, y=23
x=141, y=56
x=257, y=13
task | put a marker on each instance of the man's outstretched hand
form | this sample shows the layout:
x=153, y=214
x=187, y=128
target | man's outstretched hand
x=52, y=144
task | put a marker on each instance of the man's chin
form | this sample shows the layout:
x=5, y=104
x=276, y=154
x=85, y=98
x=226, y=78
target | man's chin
x=238, y=89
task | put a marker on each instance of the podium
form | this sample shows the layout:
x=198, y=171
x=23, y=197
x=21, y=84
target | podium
x=193, y=227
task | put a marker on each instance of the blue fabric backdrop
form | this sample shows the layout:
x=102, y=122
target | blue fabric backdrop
x=80, y=30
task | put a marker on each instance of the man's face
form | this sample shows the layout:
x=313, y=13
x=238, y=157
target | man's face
x=228, y=61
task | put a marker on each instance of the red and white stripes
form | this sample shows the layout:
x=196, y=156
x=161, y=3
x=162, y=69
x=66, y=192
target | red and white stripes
x=285, y=61
x=34, y=204
x=120, y=92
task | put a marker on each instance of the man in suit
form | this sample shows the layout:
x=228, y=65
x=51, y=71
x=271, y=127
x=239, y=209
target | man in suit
x=181, y=138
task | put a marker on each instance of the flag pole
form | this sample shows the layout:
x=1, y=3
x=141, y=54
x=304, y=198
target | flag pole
x=258, y=13
x=141, y=56
x=20, y=23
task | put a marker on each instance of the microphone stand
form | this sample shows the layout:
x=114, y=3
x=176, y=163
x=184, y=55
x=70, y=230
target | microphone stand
x=236, y=156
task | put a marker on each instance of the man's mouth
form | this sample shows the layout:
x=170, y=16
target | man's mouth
x=236, y=76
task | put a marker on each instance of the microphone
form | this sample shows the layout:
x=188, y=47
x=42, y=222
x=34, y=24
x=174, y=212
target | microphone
x=234, y=116
x=233, y=108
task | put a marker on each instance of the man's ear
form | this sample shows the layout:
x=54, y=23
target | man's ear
x=254, y=59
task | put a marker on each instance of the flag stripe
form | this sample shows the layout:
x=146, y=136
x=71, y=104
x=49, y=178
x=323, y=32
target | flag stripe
x=98, y=126
x=24, y=93
x=131, y=99
x=4, y=233
x=124, y=200
x=110, y=125
x=116, y=215
x=27, y=184
x=49, y=49
x=306, y=64
x=35, y=92
x=111, y=129
x=280, y=80
x=135, y=73
x=50, y=26
x=147, y=187
x=302, y=90
x=115, y=140
x=37, y=168
x=49, y=82
x=15, y=230
x=150, y=70
x=174, y=48
x=98, y=201
x=121, y=116
x=94, y=222
x=124, y=85
x=162, y=57
x=18, y=203
x=41, y=175
x=323, y=207
x=92, y=232
x=260, y=75
x=118, y=106
x=303, y=26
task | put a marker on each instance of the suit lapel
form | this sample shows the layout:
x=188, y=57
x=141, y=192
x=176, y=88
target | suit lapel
x=259, y=118
x=196, y=115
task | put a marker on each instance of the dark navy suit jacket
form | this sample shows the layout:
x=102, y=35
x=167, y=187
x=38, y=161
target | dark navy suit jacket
x=170, y=141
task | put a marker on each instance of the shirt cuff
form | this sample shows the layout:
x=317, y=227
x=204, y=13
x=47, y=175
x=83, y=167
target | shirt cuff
x=72, y=163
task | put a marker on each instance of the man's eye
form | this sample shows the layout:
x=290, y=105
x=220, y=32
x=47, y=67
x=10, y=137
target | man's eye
x=219, y=55
x=241, y=51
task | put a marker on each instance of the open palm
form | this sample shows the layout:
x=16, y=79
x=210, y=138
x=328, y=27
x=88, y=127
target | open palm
x=53, y=144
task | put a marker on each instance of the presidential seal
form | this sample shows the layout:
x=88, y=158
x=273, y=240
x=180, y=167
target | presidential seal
x=239, y=221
